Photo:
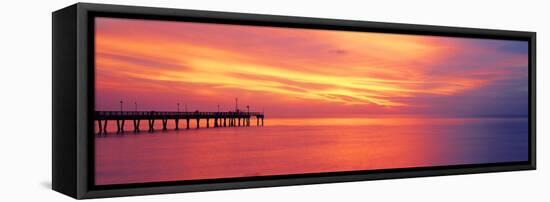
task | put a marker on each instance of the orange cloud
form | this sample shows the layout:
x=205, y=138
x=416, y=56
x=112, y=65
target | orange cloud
x=339, y=67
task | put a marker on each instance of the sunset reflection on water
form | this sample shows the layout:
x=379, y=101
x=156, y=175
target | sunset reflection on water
x=313, y=146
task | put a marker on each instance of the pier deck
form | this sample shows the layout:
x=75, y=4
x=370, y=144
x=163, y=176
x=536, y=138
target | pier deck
x=220, y=119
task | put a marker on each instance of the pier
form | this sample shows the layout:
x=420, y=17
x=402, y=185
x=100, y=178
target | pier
x=218, y=119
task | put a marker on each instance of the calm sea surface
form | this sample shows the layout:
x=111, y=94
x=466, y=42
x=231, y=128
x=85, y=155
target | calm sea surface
x=291, y=146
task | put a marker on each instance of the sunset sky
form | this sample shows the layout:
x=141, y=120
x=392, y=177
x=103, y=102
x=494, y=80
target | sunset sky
x=290, y=72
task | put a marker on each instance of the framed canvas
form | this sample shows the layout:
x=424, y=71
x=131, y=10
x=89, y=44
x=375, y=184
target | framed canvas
x=155, y=100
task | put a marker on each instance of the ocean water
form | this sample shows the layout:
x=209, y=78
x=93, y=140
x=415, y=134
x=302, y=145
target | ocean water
x=308, y=145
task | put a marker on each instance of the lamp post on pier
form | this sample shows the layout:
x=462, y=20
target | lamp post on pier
x=236, y=104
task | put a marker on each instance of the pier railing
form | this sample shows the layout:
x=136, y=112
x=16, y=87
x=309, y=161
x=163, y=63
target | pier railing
x=131, y=114
x=221, y=119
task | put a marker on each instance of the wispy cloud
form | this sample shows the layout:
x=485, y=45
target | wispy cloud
x=294, y=67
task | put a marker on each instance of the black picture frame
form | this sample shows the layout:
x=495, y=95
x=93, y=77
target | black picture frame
x=73, y=93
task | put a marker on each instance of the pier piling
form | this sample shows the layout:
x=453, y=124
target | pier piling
x=221, y=119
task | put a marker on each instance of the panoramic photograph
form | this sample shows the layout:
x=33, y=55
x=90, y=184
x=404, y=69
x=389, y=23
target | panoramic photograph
x=179, y=101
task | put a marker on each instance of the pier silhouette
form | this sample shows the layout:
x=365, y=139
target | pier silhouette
x=220, y=119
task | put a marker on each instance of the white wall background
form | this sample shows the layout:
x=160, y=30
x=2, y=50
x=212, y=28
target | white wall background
x=25, y=89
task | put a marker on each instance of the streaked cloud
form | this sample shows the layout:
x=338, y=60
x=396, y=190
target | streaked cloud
x=283, y=67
